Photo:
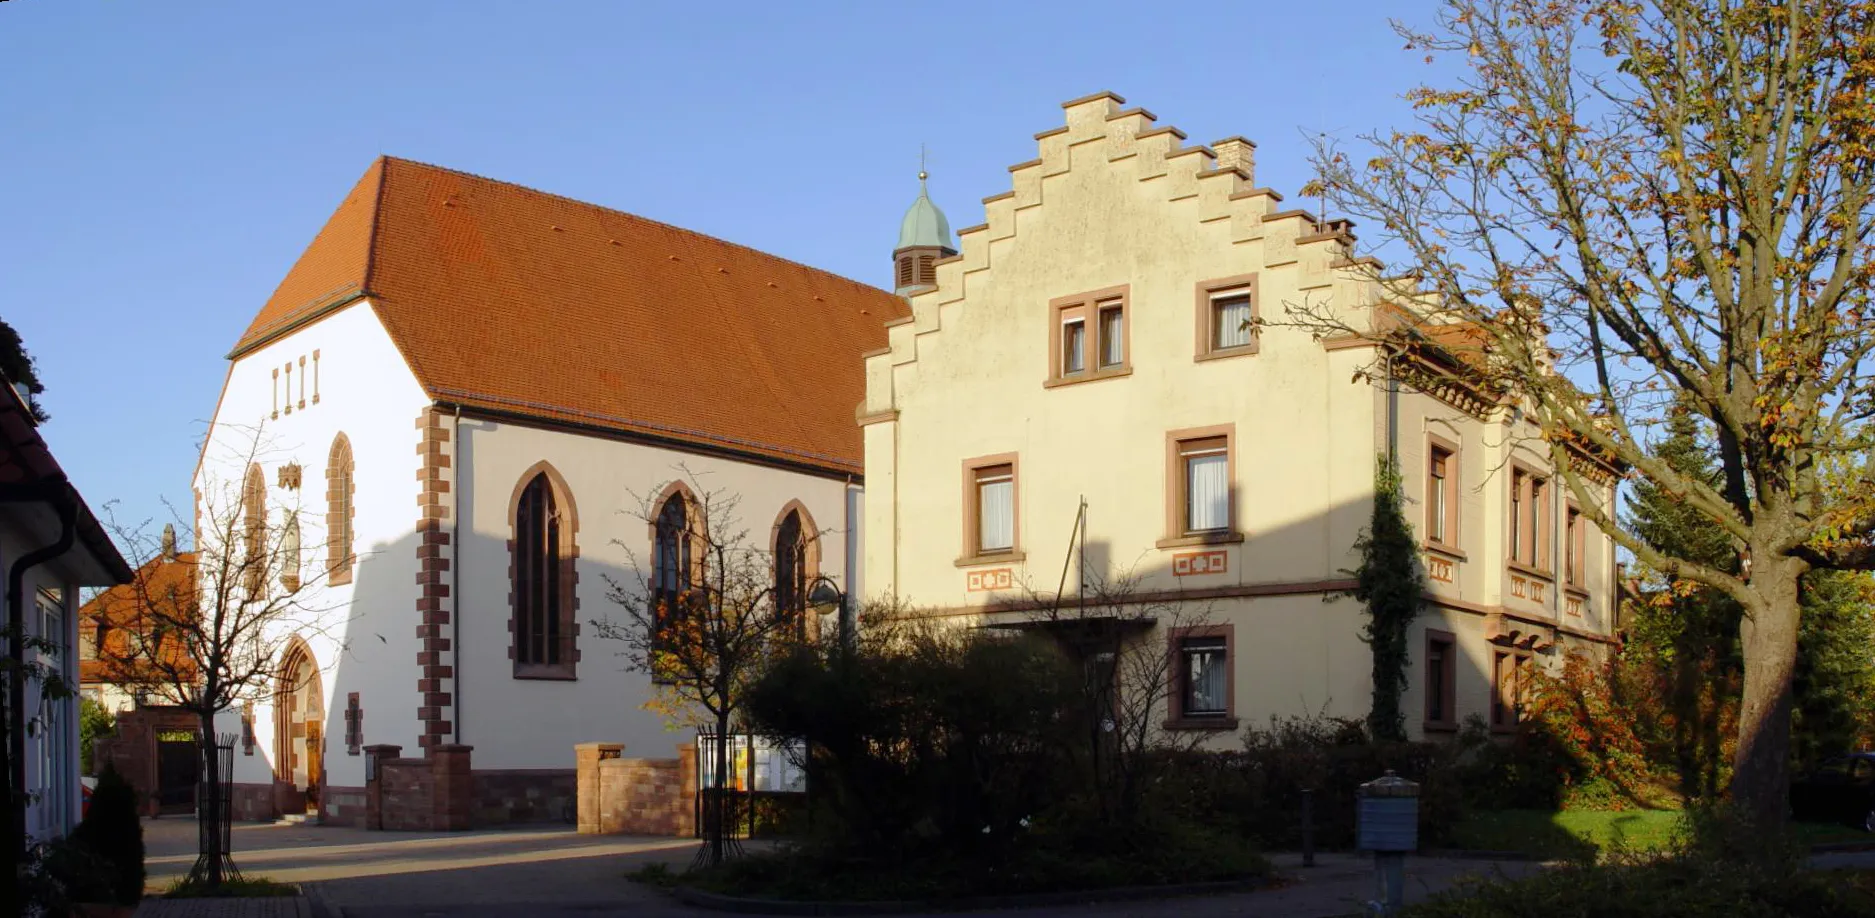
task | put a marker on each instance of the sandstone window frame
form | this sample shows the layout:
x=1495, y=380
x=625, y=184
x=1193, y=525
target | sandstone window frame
x=1444, y=510
x=1084, y=311
x=543, y=578
x=978, y=471
x=254, y=531
x=1210, y=294
x=1529, y=521
x=1440, y=672
x=1510, y=682
x=1575, y=549
x=797, y=567
x=341, y=511
x=678, y=558
x=1181, y=644
x=1178, y=443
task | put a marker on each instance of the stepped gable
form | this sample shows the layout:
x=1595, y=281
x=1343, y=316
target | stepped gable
x=511, y=300
x=1215, y=184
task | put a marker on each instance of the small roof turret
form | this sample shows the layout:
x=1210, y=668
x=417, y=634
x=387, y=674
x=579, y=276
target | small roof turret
x=924, y=224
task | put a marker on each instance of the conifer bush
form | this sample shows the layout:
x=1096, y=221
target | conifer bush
x=111, y=831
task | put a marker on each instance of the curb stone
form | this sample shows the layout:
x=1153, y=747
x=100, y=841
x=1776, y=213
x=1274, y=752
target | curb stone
x=736, y=904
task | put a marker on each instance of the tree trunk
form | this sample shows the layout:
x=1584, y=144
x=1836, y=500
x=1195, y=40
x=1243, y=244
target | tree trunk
x=208, y=815
x=1761, y=766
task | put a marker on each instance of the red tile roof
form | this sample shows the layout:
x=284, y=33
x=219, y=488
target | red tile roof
x=512, y=300
x=163, y=588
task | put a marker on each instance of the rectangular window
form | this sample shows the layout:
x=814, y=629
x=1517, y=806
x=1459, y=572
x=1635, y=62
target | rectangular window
x=1438, y=503
x=1073, y=346
x=1441, y=676
x=1206, y=674
x=1518, y=486
x=1230, y=321
x=1112, y=336
x=1510, y=684
x=1574, y=545
x=1205, y=472
x=1539, y=540
x=996, y=509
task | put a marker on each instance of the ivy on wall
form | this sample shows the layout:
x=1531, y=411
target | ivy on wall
x=1390, y=583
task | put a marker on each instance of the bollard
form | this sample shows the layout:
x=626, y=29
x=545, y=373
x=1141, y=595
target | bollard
x=1308, y=828
x=1389, y=827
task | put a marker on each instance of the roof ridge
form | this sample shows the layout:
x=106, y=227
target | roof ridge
x=377, y=212
x=623, y=213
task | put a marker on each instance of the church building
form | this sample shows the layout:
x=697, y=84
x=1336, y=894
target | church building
x=457, y=402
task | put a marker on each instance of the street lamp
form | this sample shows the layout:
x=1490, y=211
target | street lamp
x=826, y=597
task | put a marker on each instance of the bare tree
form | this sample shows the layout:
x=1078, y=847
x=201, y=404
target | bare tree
x=704, y=616
x=1125, y=639
x=1617, y=207
x=208, y=632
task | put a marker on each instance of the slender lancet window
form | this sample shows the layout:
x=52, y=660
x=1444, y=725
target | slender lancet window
x=671, y=574
x=791, y=568
x=254, y=535
x=339, y=512
x=537, y=583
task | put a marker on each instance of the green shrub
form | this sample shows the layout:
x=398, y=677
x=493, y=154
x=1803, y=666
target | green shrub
x=1257, y=792
x=94, y=721
x=112, y=832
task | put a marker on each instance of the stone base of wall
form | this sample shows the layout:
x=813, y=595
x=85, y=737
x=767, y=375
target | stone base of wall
x=287, y=798
x=435, y=793
x=521, y=795
x=621, y=796
x=342, y=806
x=254, y=802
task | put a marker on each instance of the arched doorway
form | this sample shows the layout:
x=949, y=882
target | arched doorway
x=299, y=730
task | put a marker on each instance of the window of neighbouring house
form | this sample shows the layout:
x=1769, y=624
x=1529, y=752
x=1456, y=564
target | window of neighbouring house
x=1112, y=336
x=1090, y=337
x=1575, y=546
x=1227, y=314
x=1441, y=674
x=1202, y=682
x=996, y=509
x=1510, y=675
x=1442, y=495
x=1230, y=321
x=1205, y=467
x=1529, y=519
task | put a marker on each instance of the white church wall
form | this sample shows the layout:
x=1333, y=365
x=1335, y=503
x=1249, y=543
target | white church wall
x=346, y=377
x=527, y=723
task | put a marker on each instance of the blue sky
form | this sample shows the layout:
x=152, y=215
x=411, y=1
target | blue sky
x=163, y=164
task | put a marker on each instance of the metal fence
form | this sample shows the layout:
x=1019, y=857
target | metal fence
x=760, y=770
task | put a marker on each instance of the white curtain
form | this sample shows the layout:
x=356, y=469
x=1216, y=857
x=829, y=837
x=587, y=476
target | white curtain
x=996, y=515
x=1206, y=681
x=1073, y=347
x=1208, y=477
x=1233, y=317
x=1112, y=338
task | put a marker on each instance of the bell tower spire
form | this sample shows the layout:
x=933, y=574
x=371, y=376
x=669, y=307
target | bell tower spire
x=924, y=237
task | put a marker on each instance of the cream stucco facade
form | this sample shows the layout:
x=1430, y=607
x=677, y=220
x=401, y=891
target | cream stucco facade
x=1118, y=213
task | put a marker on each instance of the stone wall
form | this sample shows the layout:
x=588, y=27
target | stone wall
x=433, y=793
x=522, y=795
x=342, y=806
x=621, y=796
x=255, y=802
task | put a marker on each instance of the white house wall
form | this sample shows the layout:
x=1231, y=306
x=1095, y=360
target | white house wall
x=362, y=633
x=533, y=724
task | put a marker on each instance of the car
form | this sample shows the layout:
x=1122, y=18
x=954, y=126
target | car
x=1839, y=789
x=85, y=786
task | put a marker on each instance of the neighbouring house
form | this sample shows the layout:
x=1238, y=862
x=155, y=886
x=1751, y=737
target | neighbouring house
x=110, y=625
x=51, y=546
x=465, y=388
x=1096, y=339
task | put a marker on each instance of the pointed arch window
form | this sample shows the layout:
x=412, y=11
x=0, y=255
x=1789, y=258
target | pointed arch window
x=340, y=509
x=791, y=568
x=544, y=579
x=289, y=554
x=254, y=530
x=674, y=561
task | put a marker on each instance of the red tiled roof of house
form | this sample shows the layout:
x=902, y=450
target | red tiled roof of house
x=167, y=585
x=512, y=300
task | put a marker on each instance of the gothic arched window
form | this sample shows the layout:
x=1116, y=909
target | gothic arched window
x=254, y=530
x=339, y=511
x=543, y=625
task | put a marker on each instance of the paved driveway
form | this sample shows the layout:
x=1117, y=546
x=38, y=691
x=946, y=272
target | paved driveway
x=555, y=873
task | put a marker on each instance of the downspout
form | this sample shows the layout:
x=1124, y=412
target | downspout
x=61, y=501
x=849, y=624
x=455, y=573
x=1393, y=411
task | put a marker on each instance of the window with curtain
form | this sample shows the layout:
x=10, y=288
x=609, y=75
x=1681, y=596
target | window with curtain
x=1205, y=677
x=791, y=568
x=1441, y=670
x=1230, y=321
x=537, y=581
x=996, y=509
x=1073, y=346
x=1112, y=336
x=254, y=525
x=1206, y=479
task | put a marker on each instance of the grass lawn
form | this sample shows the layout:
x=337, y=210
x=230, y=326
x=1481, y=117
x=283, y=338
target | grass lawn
x=1584, y=832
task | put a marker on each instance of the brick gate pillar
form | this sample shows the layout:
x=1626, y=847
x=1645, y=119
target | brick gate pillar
x=452, y=787
x=375, y=757
x=588, y=790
